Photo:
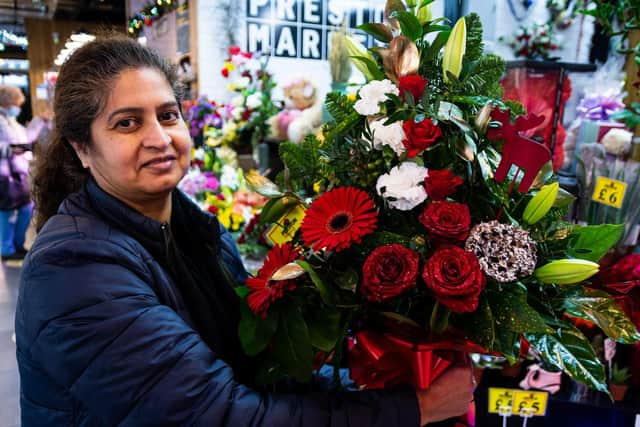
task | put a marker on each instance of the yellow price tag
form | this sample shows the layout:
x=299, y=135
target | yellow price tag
x=282, y=231
x=609, y=191
x=530, y=403
x=500, y=401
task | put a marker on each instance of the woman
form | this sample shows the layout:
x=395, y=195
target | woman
x=15, y=206
x=126, y=314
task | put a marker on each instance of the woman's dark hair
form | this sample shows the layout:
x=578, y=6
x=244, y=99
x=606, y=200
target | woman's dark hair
x=82, y=89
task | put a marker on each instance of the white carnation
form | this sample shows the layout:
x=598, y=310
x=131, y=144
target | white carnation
x=242, y=82
x=254, y=100
x=237, y=101
x=236, y=114
x=617, y=141
x=391, y=135
x=229, y=177
x=403, y=186
x=372, y=94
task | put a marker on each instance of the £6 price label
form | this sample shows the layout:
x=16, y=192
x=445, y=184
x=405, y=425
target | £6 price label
x=530, y=402
x=500, y=401
x=609, y=191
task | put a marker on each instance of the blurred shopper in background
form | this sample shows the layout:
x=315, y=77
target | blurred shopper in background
x=16, y=143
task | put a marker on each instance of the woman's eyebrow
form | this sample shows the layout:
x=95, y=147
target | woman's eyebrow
x=139, y=110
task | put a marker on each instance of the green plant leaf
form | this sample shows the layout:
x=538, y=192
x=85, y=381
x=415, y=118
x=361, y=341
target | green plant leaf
x=255, y=332
x=568, y=349
x=325, y=291
x=511, y=312
x=436, y=46
x=379, y=31
x=507, y=343
x=292, y=345
x=592, y=242
x=325, y=329
x=599, y=308
x=273, y=210
x=409, y=24
x=367, y=67
x=475, y=45
x=481, y=324
x=563, y=199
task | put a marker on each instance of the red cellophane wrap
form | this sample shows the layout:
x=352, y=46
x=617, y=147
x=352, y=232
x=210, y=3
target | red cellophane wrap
x=379, y=360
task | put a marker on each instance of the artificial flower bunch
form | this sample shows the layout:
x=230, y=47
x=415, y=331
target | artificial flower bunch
x=218, y=186
x=431, y=226
x=536, y=41
x=252, y=105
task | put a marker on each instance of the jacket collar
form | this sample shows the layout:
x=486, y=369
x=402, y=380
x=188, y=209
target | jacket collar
x=93, y=200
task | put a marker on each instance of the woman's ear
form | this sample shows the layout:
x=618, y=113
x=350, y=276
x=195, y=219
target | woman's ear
x=81, y=152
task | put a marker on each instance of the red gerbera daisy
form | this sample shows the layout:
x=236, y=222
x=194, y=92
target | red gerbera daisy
x=264, y=291
x=338, y=218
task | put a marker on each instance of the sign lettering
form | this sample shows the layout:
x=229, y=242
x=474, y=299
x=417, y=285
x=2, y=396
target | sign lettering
x=301, y=28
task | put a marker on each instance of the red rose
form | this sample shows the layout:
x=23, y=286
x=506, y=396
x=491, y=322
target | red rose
x=446, y=220
x=213, y=209
x=455, y=278
x=225, y=72
x=625, y=270
x=388, y=271
x=234, y=50
x=419, y=136
x=414, y=84
x=441, y=183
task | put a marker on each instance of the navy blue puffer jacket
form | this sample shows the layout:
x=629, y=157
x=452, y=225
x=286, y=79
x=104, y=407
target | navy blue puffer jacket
x=104, y=339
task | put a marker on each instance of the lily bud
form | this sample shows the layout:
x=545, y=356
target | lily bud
x=424, y=14
x=566, y=271
x=540, y=204
x=454, y=50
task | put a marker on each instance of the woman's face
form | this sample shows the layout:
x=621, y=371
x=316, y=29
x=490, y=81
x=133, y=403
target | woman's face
x=140, y=144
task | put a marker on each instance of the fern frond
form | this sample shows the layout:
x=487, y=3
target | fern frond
x=475, y=46
x=483, y=77
x=339, y=106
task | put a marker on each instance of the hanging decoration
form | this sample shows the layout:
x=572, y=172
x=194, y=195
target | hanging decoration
x=149, y=14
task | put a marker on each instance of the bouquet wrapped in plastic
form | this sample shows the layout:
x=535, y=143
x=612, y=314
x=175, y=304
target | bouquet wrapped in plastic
x=430, y=226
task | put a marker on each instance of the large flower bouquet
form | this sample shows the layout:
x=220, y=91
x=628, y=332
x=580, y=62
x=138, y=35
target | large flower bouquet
x=252, y=106
x=420, y=241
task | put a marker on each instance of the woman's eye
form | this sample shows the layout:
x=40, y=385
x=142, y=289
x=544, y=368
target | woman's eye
x=169, y=116
x=125, y=124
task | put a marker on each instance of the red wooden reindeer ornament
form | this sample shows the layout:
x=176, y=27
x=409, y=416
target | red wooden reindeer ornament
x=526, y=154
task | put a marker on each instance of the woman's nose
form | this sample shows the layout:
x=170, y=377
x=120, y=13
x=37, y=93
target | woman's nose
x=156, y=136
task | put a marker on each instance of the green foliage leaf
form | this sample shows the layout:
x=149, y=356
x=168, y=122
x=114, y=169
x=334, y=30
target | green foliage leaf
x=599, y=308
x=507, y=343
x=302, y=160
x=273, y=210
x=379, y=31
x=475, y=45
x=511, y=312
x=325, y=291
x=592, y=242
x=481, y=324
x=368, y=67
x=409, y=24
x=255, y=332
x=436, y=46
x=568, y=349
x=381, y=238
x=483, y=77
x=325, y=329
x=292, y=345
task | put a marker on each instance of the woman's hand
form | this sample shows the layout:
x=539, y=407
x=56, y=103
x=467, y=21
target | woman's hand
x=449, y=396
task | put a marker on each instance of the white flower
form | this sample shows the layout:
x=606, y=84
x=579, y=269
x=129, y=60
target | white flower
x=402, y=186
x=237, y=101
x=254, y=100
x=242, y=82
x=373, y=94
x=617, y=141
x=229, y=177
x=198, y=153
x=391, y=135
x=238, y=59
x=237, y=113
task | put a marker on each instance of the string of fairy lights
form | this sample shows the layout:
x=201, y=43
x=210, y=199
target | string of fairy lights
x=149, y=14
